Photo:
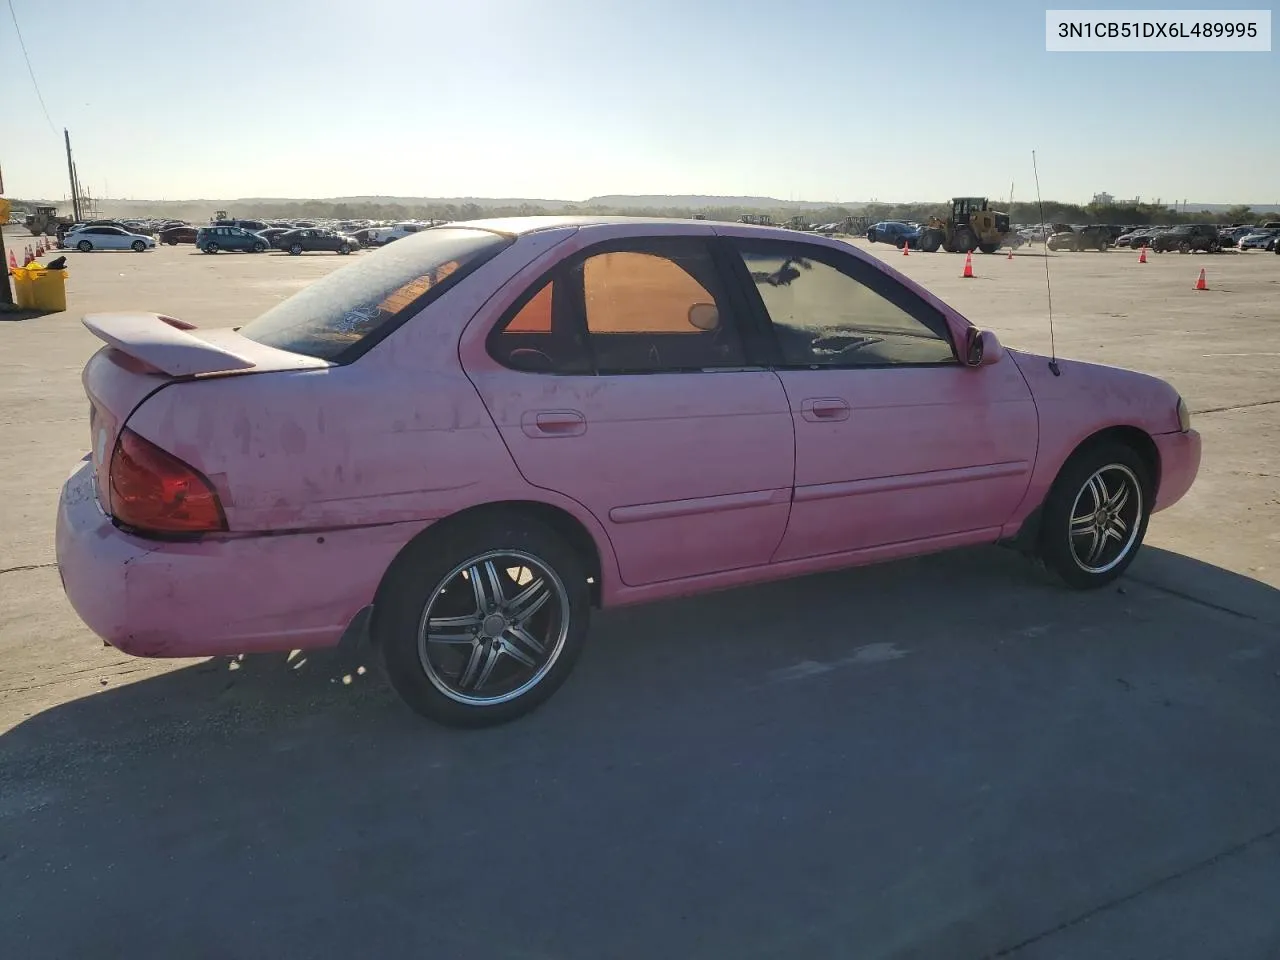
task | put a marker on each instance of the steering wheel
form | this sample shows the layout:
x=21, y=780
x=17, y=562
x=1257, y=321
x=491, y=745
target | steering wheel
x=531, y=358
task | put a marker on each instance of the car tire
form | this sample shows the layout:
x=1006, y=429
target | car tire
x=444, y=680
x=871, y=236
x=211, y=247
x=172, y=243
x=344, y=249
x=1184, y=246
x=84, y=246
x=295, y=250
x=1087, y=550
x=988, y=247
x=259, y=247
x=138, y=246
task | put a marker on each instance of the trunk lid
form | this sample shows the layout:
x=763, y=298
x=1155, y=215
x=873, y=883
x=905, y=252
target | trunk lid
x=146, y=352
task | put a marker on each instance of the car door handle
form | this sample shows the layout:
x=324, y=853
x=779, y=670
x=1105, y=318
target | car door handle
x=553, y=423
x=824, y=409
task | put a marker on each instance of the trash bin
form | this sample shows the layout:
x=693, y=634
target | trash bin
x=22, y=293
x=48, y=288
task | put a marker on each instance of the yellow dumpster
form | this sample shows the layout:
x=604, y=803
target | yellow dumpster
x=22, y=293
x=48, y=288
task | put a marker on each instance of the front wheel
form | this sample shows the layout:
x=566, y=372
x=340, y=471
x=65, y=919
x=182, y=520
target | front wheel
x=84, y=246
x=211, y=247
x=988, y=247
x=481, y=624
x=259, y=247
x=1096, y=516
x=344, y=249
x=1184, y=246
x=138, y=246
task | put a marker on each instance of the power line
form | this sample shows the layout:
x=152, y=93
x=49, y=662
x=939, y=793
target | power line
x=35, y=83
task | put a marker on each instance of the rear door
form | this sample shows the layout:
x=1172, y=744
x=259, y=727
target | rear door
x=622, y=378
x=896, y=441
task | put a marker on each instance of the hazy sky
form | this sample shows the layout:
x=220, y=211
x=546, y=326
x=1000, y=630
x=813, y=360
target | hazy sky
x=565, y=99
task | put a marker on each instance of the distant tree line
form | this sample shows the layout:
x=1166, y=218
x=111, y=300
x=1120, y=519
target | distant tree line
x=1021, y=212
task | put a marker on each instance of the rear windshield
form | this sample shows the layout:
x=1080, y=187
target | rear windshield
x=339, y=316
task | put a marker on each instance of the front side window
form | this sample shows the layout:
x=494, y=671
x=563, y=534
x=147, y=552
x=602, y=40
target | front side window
x=349, y=310
x=829, y=310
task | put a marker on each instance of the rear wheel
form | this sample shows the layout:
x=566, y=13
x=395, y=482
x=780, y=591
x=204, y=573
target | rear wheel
x=84, y=246
x=988, y=247
x=482, y=623
x=1096, y=515
x=296, y=250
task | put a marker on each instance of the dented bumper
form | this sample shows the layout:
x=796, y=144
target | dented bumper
x=215, y=596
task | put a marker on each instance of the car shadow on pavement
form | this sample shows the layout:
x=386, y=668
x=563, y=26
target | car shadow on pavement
x=712, y=764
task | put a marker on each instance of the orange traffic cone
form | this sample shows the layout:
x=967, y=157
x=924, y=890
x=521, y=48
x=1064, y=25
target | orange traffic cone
x=1142, y=257
x=39, y=248
x=968, y=266
x=26, y=255
x=13, y=261
x=906, y=248
x=1200, y=284
x=1010, y=256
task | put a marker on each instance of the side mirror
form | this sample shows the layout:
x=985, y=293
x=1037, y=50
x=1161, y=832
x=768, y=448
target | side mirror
x=981, y=348
x=704, y=317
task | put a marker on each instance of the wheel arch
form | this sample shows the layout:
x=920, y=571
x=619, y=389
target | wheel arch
x=571, y=528
x=1137, y=439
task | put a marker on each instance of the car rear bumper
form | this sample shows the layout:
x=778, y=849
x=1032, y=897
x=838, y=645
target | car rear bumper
x=1179, y=464
x=215, y=597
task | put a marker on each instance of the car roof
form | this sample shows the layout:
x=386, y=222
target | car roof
x=519, y=226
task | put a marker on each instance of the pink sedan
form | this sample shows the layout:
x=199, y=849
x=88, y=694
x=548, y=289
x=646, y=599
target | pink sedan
x=482, y=431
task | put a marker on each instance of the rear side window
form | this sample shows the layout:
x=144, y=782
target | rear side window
x=345, y=313
x=648, y=305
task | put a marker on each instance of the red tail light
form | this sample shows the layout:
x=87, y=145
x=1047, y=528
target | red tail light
x=155, y=492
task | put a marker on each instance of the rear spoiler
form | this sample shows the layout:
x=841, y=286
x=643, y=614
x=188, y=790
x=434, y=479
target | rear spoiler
x=169, y=346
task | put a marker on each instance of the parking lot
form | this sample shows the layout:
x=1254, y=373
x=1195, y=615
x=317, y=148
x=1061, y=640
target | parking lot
x=945, y=757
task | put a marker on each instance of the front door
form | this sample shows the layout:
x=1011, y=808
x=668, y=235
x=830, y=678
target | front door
x=896, y=441
x=621, y=380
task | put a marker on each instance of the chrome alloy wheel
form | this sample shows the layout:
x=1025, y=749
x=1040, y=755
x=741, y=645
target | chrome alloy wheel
x=1106, y=518
x=493, y=628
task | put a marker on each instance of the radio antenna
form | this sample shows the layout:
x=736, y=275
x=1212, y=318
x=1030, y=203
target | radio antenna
x=1044, y=237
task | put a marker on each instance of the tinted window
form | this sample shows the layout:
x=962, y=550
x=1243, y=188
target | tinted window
x=541, y=333
x=654, y=306
x=346, y=311
x=828, y=309
x=657, y=307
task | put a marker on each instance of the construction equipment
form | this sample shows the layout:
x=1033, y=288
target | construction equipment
x=972, y=225
x=44, y=222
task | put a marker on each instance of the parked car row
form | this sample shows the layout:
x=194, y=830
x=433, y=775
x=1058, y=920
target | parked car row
x=216, y=239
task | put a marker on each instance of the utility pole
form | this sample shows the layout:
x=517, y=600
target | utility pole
x=6, y=291
x=71, y=174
